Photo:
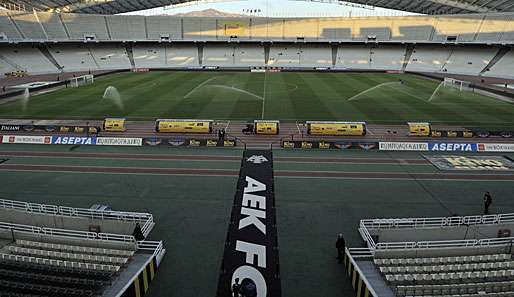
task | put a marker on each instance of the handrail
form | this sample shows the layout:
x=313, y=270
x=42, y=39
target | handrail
x=66, y=233
x=147, y=218
x=366, y=225
x=374, y=224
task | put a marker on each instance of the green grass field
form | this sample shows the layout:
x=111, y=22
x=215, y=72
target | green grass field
x=375, y=98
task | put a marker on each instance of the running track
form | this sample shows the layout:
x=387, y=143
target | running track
x=479, y=176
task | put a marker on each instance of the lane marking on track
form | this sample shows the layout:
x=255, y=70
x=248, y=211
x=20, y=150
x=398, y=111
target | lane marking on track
x=235, y=175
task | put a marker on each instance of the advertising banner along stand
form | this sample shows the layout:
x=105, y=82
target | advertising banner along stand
x=251, y=249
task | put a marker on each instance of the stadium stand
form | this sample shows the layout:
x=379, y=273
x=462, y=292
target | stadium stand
x=110, y=57
x=438, y=44
x=163, y=26
x=443, y=256
x=45, y=261
x=73, y=57
x=428, y=58
x=469, y=60
x=7, y=27
x=493, y=27
x=249, y=55
x=26, y=58
x=81, y=219
x=316, y=56
x=80, y=26
x=52, y=26
x=127, y=27
x=218, y=55
x=29, y=25
x=503, y=68
x=284, y=56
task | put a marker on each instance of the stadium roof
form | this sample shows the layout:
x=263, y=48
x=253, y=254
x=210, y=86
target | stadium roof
x=120, y=6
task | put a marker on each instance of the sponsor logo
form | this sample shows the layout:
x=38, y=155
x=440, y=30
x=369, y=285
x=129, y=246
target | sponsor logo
x=194, y=142
x=176, y=142
x=211, y=142
x=367, y=146
x=306, y=145
x=496, y=147
x=119, y=141
x=10, y=128
x=495, y=163
x=288, y=144
x=50, y=128
x=343, y=145
x=324, y=145
x=452, y=147
x=403, y=146
x=153, y=141
x=73, y=140
x=27, y=139
x=257, y=159
x=229, y=143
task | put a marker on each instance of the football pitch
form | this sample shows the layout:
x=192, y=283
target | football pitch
x=289, y=96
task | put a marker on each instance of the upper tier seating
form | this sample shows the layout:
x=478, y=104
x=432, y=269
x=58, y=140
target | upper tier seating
x=28, y=24
x=461, y=28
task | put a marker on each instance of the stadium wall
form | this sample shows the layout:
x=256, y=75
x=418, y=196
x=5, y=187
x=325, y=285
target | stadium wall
x=470, y=28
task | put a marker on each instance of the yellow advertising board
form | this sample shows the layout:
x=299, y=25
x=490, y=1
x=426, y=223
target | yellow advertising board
x=263, y=127
x=336, y=128
x=419, y=129
x=114, y=125
x=184, y=126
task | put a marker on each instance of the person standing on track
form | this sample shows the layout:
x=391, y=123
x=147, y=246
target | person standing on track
x=340, y=245
x=488, y=200
x=236, y=288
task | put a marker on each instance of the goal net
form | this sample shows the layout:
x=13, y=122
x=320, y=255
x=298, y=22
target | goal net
x=82, y=80
x=457, y=84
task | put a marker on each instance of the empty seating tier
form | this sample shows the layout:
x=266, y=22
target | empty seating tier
x=74, y=248
x=66, y=255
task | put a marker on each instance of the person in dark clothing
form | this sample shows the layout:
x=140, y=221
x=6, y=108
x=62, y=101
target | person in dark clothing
x=488, y=200
x=249, y=289
x=3, y=89
x=340, y=245
x=138, y=233
x=236, y=288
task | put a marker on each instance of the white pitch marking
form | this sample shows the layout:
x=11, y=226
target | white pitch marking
x=199, y=86
x=371, y=89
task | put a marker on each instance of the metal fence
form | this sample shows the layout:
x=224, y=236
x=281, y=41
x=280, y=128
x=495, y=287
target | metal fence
x=145, y=218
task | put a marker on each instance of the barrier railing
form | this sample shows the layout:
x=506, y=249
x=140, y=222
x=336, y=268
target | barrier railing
x=66, y=233
x=367, y=225
x=145, y=218
x=373, y=224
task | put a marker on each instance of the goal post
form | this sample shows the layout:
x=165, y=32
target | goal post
x=457, y=84
x=82, y=80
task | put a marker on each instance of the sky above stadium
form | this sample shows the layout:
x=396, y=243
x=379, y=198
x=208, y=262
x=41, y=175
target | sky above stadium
x=277, y=8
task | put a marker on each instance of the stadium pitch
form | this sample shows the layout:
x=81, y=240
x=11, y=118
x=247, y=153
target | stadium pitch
x=372, y=97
